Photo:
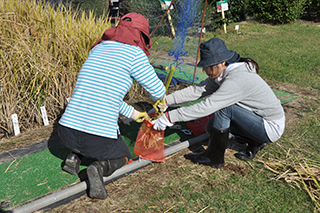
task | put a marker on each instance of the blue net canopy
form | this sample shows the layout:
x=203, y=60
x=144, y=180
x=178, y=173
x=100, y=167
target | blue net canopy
x=182, y=22
x=187, y=23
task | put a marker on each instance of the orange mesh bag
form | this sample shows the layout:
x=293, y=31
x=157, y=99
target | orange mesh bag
x=150, y=143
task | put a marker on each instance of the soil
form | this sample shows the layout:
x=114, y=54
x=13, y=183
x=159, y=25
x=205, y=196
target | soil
x=150, y=175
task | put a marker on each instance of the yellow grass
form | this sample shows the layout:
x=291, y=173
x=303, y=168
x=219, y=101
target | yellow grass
x=41, y=52
x=299, y=171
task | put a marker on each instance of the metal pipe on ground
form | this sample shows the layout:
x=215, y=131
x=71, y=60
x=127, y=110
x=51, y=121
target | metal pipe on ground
x=72, y=192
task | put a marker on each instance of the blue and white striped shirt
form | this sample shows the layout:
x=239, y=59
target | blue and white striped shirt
x=103, y=81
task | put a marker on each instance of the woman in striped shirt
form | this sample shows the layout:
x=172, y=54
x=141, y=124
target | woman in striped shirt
x=89, y=125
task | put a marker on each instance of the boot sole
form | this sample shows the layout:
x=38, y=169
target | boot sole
x=72, y=166
x=71, y=169
x=217, y=166
x=96, y=188
x=192, y=156
x=206, y=161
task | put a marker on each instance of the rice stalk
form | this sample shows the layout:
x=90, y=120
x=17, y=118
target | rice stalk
x=298, y=171
x=41, y=51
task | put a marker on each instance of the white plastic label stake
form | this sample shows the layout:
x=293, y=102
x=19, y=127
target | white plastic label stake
x=44, y=115
x=15, y=124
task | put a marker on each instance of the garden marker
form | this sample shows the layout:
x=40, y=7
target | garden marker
x=237, y=29
x=221, y=7
x=44, y=115
x=15, y=124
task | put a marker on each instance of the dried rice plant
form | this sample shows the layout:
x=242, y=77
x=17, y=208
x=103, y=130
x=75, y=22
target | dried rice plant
x=42, y=49
x=299, y=171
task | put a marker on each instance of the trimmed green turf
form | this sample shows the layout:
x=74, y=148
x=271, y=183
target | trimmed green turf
x=35, y=175
x=184, y=71
x=284, y=97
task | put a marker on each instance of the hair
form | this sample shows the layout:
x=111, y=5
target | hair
x=247, y=61
x=145, y=38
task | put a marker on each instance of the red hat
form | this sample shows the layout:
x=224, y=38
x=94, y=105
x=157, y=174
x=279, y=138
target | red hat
x=139, y=22
x=133, y=29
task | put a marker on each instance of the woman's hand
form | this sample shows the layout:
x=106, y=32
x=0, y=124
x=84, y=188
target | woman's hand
x=139, y=116
x=162, y=122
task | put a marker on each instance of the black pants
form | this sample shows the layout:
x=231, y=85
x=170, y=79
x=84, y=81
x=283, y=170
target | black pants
x=93, y=146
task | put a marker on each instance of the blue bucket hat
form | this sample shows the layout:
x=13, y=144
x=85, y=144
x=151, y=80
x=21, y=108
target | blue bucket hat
x=214, y=51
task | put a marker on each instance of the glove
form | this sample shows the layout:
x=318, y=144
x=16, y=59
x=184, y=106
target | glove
x=162, y=122
x=152, y=113
x=160, y=105
x=163, y=106
x=138, y=116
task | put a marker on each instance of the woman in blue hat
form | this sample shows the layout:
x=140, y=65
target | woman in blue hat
x=242, y=102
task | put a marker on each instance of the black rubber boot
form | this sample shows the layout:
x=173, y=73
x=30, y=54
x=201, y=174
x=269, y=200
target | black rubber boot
x=97, y=170
x=72, y=163
x=237, y=143
x=250, y=152
x=214, y=154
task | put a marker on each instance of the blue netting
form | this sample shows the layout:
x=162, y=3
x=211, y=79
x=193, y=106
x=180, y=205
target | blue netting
x=188, y=16
x=187, y=11
x=186, y=20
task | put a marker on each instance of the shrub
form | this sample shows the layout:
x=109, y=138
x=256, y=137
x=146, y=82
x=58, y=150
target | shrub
x=312, y=10
x=100, y=7
x=278, y=11
x=237, y=11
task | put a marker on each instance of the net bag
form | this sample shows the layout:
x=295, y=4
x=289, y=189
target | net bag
x=150, y=143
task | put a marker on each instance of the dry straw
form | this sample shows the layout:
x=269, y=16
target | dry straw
x=41, y=51
x=301, y=169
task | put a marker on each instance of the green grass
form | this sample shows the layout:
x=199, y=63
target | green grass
x=33, y=176
x=287, y=53
x=193, y=188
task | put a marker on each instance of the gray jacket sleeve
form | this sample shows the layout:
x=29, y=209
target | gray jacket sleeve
x=216, y=99
x=192, y=93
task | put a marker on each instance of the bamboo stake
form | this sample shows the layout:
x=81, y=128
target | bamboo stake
x=224, y=25
x=202, y=23
x=162, y=18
